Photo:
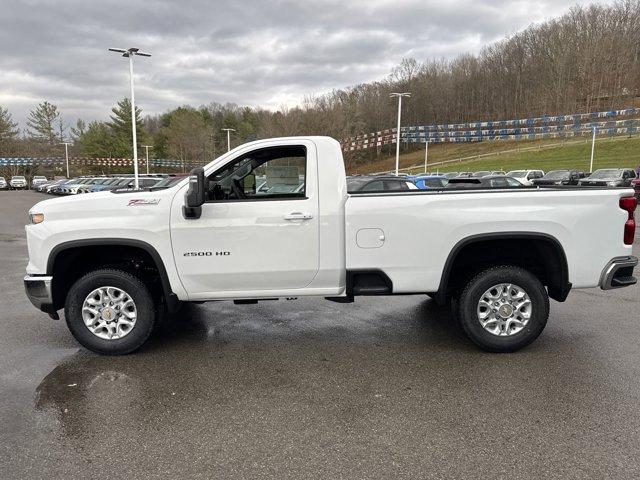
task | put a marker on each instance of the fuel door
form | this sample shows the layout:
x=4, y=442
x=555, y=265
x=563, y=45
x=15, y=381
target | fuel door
x=370, y=238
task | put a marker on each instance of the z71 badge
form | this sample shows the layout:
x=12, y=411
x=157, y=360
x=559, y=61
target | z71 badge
x=143, y=201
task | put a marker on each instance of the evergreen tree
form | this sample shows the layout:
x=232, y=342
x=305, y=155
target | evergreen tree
x=121, y=128
x=79, y=130
x=42, y=122
x=8, y=128
x=98, y=141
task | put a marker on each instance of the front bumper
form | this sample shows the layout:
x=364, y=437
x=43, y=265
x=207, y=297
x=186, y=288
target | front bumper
x=619, y=273
x=38, y=289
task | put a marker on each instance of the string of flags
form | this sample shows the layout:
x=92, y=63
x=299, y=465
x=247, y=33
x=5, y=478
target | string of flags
x=82, y=161
x=558, y=126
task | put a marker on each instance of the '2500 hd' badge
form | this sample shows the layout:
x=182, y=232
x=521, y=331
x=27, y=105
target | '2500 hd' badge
x=143, y=201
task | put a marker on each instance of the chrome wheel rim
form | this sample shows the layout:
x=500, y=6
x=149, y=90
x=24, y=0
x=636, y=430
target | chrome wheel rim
x=504, y=309
x=109, y=313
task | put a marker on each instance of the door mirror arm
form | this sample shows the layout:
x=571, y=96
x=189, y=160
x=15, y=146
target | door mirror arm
x=195, y=196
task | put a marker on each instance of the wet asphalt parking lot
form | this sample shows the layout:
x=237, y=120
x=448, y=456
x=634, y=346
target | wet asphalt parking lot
x=383, y=388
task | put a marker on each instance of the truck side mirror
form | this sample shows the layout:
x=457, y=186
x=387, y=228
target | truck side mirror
x=195, y=196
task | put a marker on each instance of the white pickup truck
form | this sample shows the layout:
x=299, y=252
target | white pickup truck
x=116, y=260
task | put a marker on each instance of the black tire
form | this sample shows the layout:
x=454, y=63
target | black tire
x=468, y=305
x=135, y=288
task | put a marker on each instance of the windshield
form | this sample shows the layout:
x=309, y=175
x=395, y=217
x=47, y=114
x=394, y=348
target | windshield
x=18, y=177
x=557, y=175
x=73, y=181
x=111, y=181
x=606, y=173
x=517, y=173
x=39, y=177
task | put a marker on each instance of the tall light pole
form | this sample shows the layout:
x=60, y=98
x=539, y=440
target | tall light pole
x=130, y=53
x=66, y=155
x=426, y=153
x=228, y=130
x=593, y=147
x=399, y=95
x=146, y=148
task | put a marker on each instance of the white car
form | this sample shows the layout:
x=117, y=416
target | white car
x=18, y=182
x=3, y=184
x=526, y=177
x=38, y=180
x=115, y=260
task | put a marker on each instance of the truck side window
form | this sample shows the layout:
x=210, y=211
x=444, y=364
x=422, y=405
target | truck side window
x=267, y=173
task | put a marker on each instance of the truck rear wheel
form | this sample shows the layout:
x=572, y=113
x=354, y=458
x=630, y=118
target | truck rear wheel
x=503, y=309
x=110, y=312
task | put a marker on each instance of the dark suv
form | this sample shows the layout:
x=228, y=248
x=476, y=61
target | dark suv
x=379, y=184
x=560, y=177
x=610, y=177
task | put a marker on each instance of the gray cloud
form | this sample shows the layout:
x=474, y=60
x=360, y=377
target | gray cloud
x=261, y=53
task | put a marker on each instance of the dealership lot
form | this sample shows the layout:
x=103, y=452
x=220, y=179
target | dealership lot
x=383, y=387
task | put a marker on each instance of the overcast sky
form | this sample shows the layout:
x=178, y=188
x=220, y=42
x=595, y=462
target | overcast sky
x=258, y=53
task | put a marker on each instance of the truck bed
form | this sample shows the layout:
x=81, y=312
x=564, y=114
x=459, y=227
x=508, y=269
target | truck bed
x=409, y=235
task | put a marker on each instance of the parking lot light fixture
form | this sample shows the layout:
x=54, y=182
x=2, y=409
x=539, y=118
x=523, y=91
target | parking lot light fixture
x=146, y=148
x=229, y=130
x=130, y=53
x=66, y=155
x=399, y=95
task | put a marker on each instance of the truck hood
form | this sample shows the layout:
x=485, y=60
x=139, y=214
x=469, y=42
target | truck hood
x=101, y=203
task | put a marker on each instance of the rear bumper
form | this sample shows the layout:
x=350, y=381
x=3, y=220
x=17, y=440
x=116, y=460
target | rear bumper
x=38, y=290
x=619, y=273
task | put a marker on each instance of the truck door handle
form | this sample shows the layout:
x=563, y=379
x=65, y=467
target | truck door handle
x=298, y=216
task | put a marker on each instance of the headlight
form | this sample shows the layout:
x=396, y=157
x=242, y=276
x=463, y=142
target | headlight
x=36, y=218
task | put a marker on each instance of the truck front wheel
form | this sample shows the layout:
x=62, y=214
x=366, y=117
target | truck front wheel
x=503, y=309
x=110, y=312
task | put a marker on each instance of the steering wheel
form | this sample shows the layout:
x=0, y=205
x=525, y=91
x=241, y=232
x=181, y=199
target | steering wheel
x=237, y=188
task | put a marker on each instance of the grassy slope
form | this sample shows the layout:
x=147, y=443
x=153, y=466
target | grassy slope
x=619, y=152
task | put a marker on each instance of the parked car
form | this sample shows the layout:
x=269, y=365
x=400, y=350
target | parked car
x=481, y=173
x=42, y=186
x=48, y=188
x=143, y=182
x=86, y=185
x=450, y=174
x=3, y=184
x=63, y=188
x=526, y=177
x=18, y=182
x=635, y=183
x=379, y=184
x=428, y=182
x=115, y=262
x=38, y=180
x=488, y=181
x=110, y=184
x=170, y=181
x=610, y=177
x=498, y=172
x=559, y=177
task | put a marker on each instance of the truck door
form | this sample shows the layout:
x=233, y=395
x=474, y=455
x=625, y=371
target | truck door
x=259, y=226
